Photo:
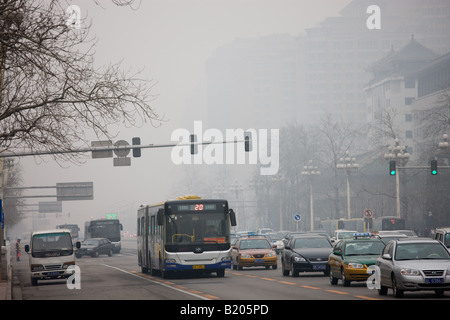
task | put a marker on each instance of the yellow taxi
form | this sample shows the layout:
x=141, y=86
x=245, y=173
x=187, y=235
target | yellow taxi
x=253, y=251
x=351, y=258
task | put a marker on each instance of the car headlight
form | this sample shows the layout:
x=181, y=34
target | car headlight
x=271, y=254
x=246, y=256
x=409, y=272
x=299, y=259
x=354, y=265
x=37, y=267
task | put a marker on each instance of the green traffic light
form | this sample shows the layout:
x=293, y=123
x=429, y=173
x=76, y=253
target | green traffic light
x=434, y=172
x=393, y=173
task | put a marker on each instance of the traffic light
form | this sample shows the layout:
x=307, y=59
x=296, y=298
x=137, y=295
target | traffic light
x=192, y=139
x=248, y=142
x=136, y=151
x=392, y=168
x=434, y=168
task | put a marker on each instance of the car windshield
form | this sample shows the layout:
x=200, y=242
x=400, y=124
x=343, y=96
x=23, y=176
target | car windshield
x=359, y=248
x=254, y=244
x=345, y=235
x=417, y=251
x=91, y=242
x=311, y=243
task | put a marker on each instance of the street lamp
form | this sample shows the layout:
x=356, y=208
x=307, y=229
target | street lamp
x=310, y=171
x=444, y=145
x=279, y=180
x=348, y=164
x=237, y=188
x=398, y=154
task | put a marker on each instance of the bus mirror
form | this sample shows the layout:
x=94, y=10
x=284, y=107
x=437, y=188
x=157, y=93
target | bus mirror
x=160, y=217
x=121, y=227
x=27, y=248
x=232, y=217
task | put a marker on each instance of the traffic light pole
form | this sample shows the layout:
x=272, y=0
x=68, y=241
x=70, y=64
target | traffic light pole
x=112, y=148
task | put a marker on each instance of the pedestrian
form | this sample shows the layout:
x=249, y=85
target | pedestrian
x=18, y=249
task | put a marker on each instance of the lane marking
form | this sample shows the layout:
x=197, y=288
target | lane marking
x=367, y=298
x=311, y=287
x=338, y=292
x=290, y=283
x=134, y=273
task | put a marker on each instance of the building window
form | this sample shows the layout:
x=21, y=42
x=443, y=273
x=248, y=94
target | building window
x=409, y=101
x=410, y=83
x=408, y=134
x=408, y=117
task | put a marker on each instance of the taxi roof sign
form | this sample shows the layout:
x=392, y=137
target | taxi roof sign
x=362, y=235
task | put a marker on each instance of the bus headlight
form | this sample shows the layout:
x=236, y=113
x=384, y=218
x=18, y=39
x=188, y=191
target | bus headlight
x=227, y=258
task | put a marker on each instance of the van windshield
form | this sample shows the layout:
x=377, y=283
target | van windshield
x=52, y=244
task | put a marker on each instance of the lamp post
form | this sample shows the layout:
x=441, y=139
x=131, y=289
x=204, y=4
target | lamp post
x=237, y=188
x=279, y=180
x=400, y=156
x=348, y=164
x=310, y=171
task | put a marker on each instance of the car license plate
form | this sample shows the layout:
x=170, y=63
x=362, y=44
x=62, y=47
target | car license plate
x=198, y=266
x=52, y=274
x=434, y=280
x=319, y=267
x=259, y=260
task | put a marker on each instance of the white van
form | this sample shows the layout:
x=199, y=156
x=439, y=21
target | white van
x=51, y=253
x=443, y=235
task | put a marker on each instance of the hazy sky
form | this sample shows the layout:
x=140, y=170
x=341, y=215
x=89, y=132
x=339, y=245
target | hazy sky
x=170, y=40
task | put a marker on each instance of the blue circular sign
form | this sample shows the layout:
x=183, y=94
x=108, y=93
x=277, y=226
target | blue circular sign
x=297, y=217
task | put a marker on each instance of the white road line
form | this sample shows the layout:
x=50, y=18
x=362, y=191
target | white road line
x=157, y=282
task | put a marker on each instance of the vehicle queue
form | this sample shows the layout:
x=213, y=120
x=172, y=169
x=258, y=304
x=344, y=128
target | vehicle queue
x=396, y=259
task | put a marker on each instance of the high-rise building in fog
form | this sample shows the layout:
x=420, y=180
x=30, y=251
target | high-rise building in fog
x=392, y=91
x=270, y=81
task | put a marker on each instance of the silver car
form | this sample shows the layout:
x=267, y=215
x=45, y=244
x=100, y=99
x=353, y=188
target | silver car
x=411, y=264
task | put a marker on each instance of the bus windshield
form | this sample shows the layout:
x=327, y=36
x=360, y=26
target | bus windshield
x=106, y=229
x=197, y=228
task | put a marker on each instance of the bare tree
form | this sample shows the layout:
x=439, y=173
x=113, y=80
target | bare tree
x=52, y=96
x=337, y=138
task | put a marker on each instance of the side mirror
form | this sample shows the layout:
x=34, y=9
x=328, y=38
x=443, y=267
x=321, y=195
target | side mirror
x=337, y=252
x=232, y=218
x=27, y=248
x=78, y=244
x=121, y=227
x=235, y=248
x=160, y=217
x=387, y=256
x=287, y=247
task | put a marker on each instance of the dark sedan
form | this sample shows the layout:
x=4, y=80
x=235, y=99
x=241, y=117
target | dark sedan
x=94, y=247
x=306, y=253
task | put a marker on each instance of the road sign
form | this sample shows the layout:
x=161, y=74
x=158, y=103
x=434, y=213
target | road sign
x=102, y=153
x=297, y=218
x=111, y=216
x=121, y=152
x=368, y=213
x=74, y=191
x=50, y=207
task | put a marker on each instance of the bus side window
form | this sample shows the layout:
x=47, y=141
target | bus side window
x=153, y=225
x=139, y=226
